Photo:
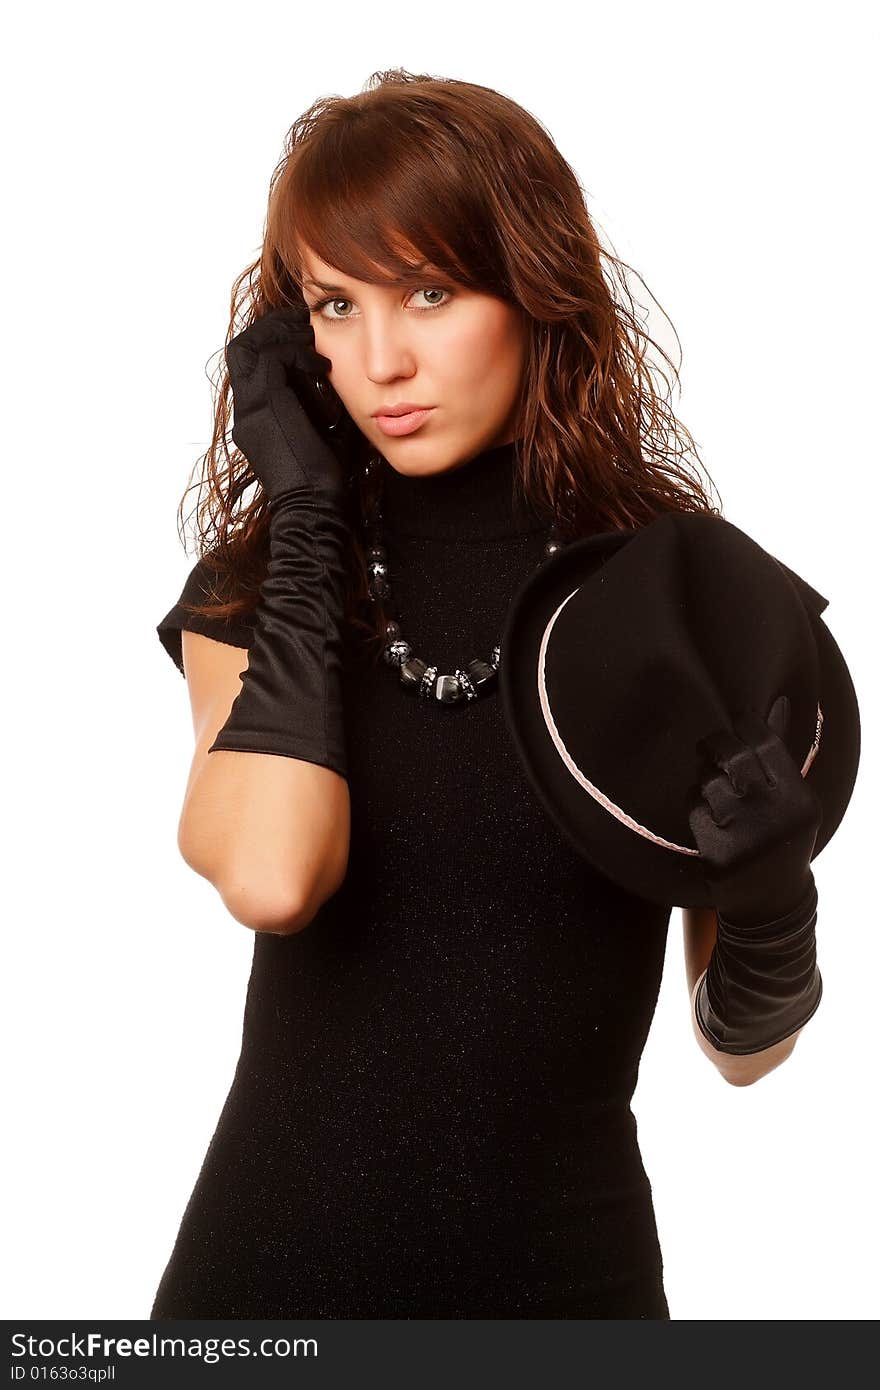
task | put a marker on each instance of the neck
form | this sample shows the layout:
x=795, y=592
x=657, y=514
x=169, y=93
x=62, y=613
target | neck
x=474, y=500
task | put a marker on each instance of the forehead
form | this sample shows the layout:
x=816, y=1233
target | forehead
x=324, y=275
x=315, y=270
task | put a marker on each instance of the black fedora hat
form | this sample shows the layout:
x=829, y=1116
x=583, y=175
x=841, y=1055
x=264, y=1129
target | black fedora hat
x=628, y=647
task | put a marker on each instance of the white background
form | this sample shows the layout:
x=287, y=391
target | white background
x=728, y=155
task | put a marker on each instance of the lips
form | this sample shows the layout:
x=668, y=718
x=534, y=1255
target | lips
x=404, y=423
x=401, y=408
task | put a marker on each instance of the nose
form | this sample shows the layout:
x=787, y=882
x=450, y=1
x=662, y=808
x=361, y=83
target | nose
x=388, y=353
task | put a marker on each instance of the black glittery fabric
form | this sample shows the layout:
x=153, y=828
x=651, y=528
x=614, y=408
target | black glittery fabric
x=430, y=1116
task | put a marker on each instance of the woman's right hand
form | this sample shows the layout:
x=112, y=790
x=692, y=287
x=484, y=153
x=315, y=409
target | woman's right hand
x=270, y=427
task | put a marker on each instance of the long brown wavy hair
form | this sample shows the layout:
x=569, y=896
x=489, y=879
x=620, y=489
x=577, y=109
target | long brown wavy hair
x=427, y=169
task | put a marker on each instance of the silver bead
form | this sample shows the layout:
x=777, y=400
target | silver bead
x=427, y=682
x=397, y=652
x=465, y=684
x=378, y=582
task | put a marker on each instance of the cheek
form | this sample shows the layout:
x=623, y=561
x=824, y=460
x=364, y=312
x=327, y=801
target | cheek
x=341, y=373
x=322, y=337
x=486, y=344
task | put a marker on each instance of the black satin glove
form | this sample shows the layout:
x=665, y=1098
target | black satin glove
x=291, y=700
x=757, y=820
x=755, y=825
x=269, y=364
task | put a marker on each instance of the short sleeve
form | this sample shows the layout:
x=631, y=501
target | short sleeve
x=237, y=631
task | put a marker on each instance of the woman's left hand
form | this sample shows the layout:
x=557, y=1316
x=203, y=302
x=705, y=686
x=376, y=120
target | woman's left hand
x=755, y=821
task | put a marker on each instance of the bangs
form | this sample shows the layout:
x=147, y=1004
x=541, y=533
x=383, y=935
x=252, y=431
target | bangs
x=385, y=219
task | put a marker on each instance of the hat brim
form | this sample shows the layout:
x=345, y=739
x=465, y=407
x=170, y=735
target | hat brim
x=643, y=868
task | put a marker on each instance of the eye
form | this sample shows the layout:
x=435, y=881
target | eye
x=322, y=304
x=336, y=301
x=436, y=290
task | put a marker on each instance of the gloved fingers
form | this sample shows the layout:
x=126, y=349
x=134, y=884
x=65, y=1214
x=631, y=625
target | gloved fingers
x=253, y=374
x=712, y=802
x=741, y=769
x=731, y=842
x=277, y=325
x=778, y=764
x=704, y=827
x=281, y=338
x=300, y=356
x=720, y=798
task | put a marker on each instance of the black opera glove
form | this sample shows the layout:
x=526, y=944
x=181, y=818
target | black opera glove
x=291, y=701
x=269, y=364
x=755, y=825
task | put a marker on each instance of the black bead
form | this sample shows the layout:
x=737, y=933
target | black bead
x=411, y=673
x=448, y=690
x=482, y=675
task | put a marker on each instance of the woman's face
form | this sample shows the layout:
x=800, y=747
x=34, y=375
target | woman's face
x=457, y=351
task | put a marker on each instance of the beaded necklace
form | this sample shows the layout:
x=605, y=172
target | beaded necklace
x=417, y=676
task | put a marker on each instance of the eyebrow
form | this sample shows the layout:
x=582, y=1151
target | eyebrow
x=420, y=269
x=319, y=284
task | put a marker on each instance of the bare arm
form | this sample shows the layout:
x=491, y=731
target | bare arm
x=700, y=928
x=270, y=832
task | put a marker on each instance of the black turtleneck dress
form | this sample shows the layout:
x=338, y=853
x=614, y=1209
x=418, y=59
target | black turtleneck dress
x=430, y=1115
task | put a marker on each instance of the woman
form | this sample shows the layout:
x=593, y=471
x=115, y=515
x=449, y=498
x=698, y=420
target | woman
x=430, y=1116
